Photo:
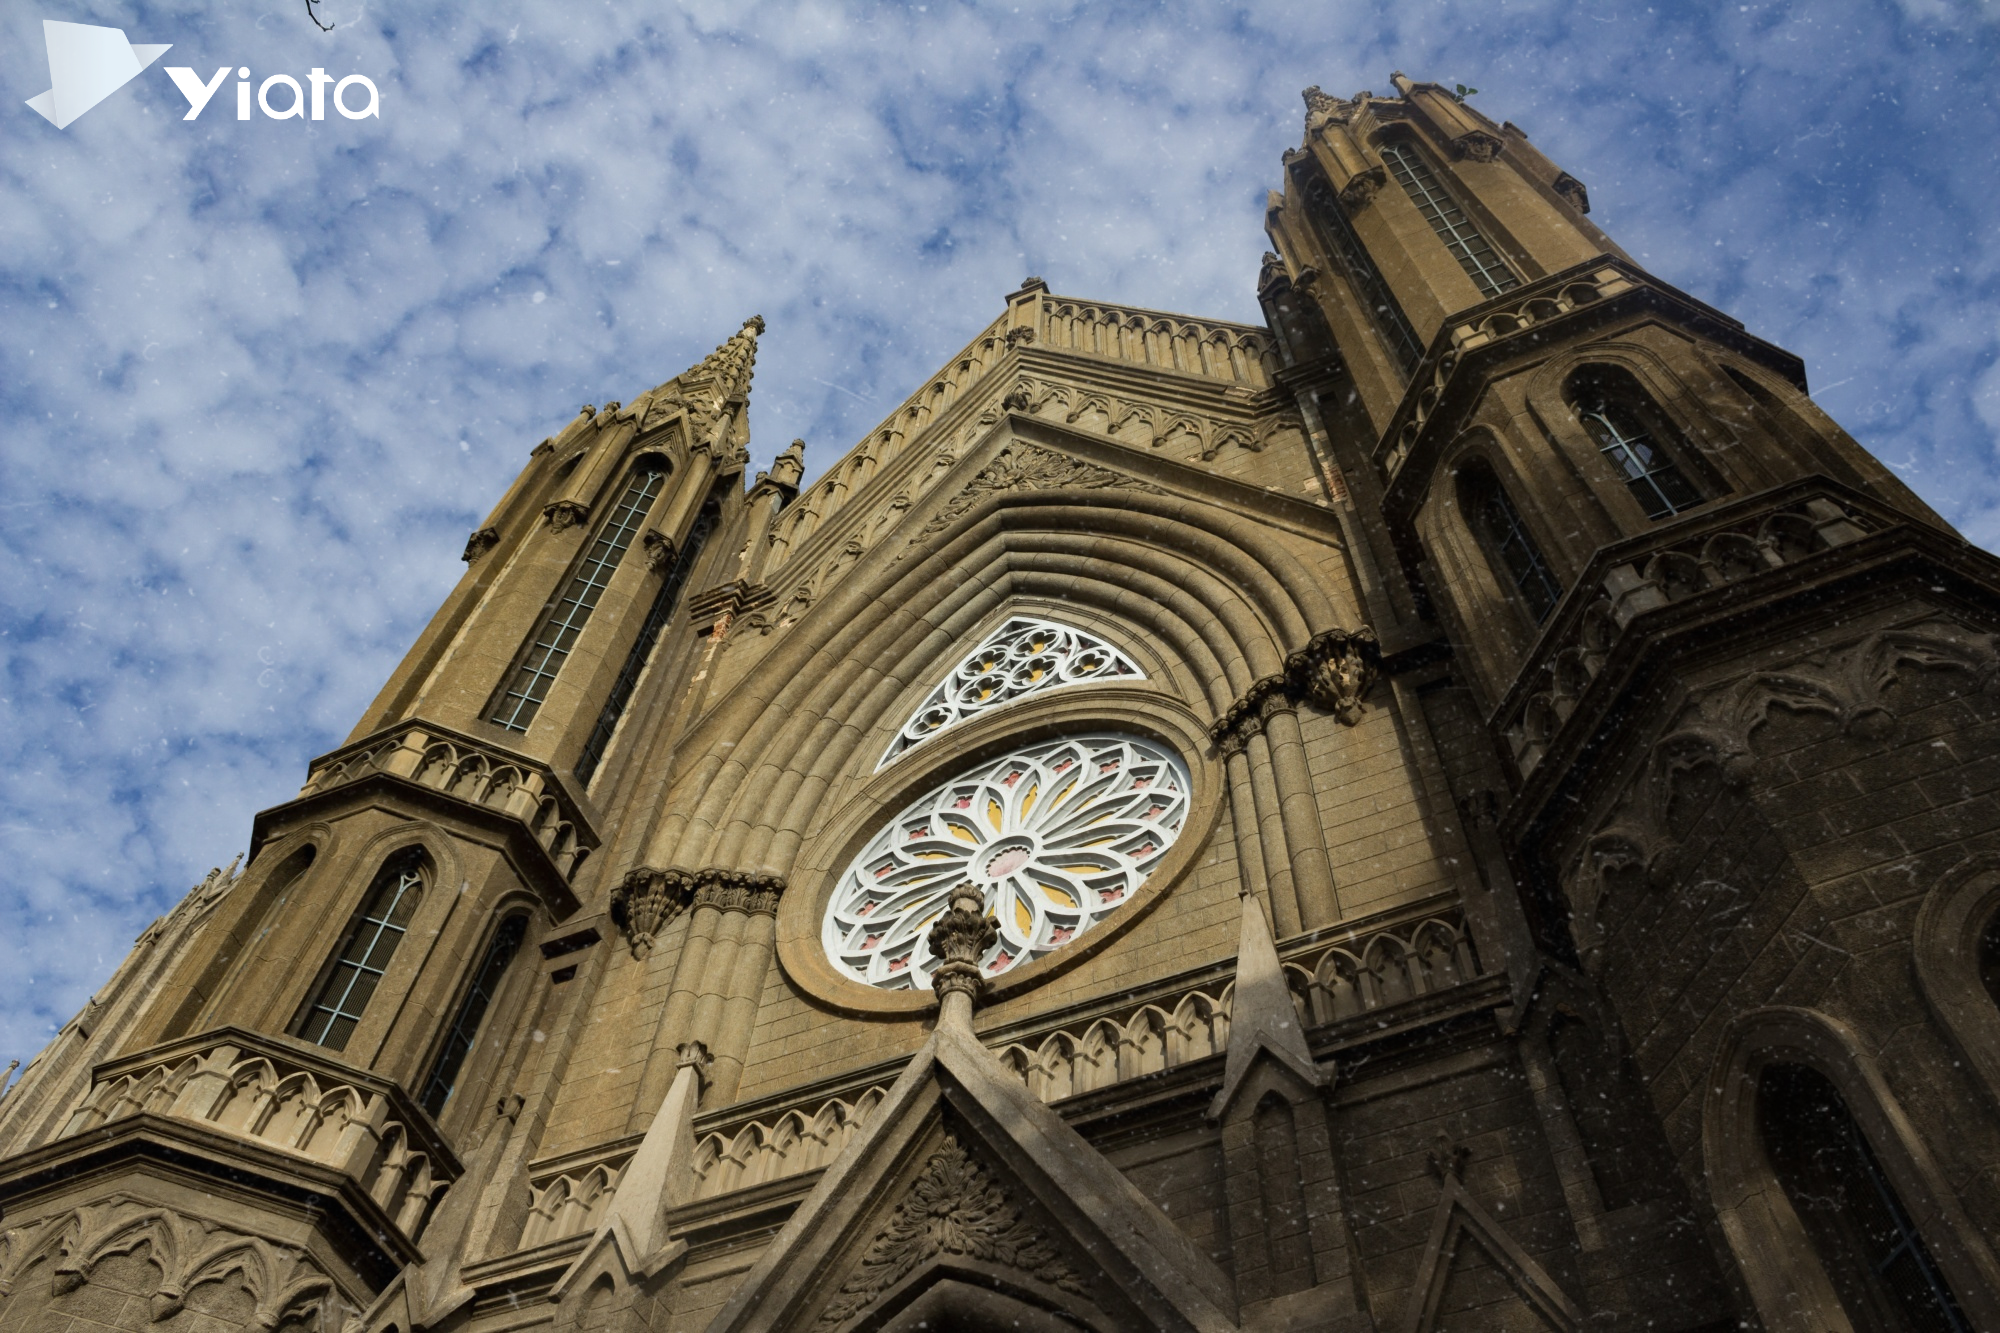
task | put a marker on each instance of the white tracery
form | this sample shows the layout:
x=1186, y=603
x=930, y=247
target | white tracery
x=1023, y=656
x=1058, y=835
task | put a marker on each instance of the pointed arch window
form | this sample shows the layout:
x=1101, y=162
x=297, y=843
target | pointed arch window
x=564, y=618
x=1026, y=655
x=665, y=602
x=471, y=1012
x=1635, y=437
x=357, y=967
x=1865, y=1237
x=1367, y=279
x=1510, y=546
x=1474, y=253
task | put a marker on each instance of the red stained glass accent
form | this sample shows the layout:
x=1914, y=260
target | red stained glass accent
x=871, y=941
x=963, y=803
x=898, y=964
x=1147, y=850
x=1013, y=778
x=1065, y=764
x=1000, y=962
x=1106, y=768
x=1061, y=934
x=1142, y=782
x=1112, y=895
x=916, y=833
x=867, y=907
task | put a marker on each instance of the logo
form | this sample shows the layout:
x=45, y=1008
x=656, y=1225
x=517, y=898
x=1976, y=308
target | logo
x=86, y=65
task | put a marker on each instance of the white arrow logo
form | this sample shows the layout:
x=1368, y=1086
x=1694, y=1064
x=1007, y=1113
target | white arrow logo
x=86, y=65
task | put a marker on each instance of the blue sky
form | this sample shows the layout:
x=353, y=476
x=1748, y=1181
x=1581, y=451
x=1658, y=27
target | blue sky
x=258, y=380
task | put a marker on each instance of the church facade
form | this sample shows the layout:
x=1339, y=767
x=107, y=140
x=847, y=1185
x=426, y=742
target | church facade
x=1471, y=805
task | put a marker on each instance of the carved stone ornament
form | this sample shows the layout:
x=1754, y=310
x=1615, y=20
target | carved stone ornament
x=1272, y=270
x=1322, y=109
x=659, y=551
x=645, y=901
x=961, y=936
x=1029, y=467
x=1479, y=146
x=953, y=1208
x=565, y=514
x=1358, y=191
x=1335, y=671
x=281, y=1283
x=1017, y=336
x=1570, y=188
x=738, y=891
x=479, y=543
x=1017, y=399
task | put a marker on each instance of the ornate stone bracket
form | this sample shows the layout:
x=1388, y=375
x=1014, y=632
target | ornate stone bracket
x=1333, y=673
x=564, y=514
x=1570, y=188
x=960, y=936
x=479, y=543
x=659, y=551
x=645, y=901
x=1358, y=191
x=648, y=899
x=1478, y=146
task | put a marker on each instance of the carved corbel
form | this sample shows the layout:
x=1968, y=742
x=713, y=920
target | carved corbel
x=564, y=514
x=645, y=901
x=1335, y=671
x=694, y=1055
x=1478, y=146
x=1016, y=337
x=960, y=936
x=738, y=891
x=1571, y=189
x=659, y=551
x=1356, y=194
x=479, y=543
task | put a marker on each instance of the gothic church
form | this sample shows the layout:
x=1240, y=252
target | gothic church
x=1471, y=806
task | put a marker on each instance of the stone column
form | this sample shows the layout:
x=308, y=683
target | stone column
x=1305, y=838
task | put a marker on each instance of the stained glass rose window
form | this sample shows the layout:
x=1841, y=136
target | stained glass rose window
x=1057, y=835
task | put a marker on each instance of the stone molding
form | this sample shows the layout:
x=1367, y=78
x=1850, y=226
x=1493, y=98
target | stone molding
x=954, y=1208
x=1333, y=672
x=1027, y=467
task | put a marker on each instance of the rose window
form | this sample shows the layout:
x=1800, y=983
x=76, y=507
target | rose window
x=1057, y=836
x=1021, y=657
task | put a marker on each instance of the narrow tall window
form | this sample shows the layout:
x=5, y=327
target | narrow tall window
x=665, y=602
x=1508, y=542
x=1468, y=246
x=1630, y=434
x=564, y=618
x=471, y=1011
x=364, y=954
x=1368, y=281
x=1869, y=1246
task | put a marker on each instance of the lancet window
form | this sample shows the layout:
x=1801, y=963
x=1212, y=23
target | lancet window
x=1057, y=836
x=1367, y=279
x=1024, y=656
x=1509, y=544
x=665, y=602
x=471, y=1012
x=1866, y=1240
x=1467, y=244
x=566, y=616
x=1634, y=437
x=363, y=957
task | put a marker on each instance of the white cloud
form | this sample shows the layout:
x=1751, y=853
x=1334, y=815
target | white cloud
x=238, y=359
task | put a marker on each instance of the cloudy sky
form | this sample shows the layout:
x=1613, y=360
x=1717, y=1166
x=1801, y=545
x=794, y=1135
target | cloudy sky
x=257, y=380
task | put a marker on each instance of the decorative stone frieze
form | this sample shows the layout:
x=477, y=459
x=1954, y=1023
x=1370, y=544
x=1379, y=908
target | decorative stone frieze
x=1029, y=467
x=952, y=1208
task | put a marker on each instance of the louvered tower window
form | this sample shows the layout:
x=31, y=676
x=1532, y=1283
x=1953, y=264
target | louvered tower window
x=363, y=958
x=564, y=619
x=665, y=602
x=471, y=1012
x=1866, y=1239
x=1509, y=543
x=1468, y=246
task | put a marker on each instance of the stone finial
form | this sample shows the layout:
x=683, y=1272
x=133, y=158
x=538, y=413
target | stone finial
x=789, y=468
x=755, y=324
x=960, y=937
x=1031, y=283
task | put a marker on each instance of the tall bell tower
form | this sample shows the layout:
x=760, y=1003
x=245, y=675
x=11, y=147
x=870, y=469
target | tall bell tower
x=1724, y=683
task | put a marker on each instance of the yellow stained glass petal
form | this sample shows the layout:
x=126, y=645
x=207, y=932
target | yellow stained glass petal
x=994, y=814
x=1022, y=916
x=1063, y=897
